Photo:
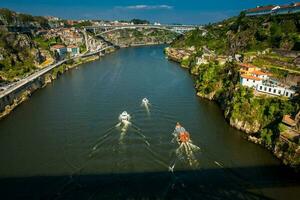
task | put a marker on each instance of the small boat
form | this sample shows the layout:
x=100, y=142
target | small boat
x=124, y=116
x=181, y=134
x=145, y=101
x=184, y=137
x=178, y=129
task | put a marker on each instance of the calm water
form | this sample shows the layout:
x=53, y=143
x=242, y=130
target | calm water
x=62, y=143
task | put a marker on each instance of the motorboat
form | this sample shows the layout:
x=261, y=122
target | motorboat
x=124, y=116
x=145, y=101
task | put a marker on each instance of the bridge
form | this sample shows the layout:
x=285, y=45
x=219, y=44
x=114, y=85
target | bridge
x=180, y=29
x=41, y=72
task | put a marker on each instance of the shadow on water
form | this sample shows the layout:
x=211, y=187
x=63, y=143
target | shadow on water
x=221, y=183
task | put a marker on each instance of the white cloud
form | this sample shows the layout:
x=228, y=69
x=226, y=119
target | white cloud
x=146, y=7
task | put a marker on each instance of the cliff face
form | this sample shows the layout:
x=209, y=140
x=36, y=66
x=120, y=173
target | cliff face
x=18, y=55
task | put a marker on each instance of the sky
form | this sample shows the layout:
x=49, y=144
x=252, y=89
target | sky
x=163, y=11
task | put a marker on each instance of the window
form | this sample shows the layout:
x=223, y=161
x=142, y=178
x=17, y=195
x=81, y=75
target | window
x=274, y=91
x=253, y=81
x=260, y=87
x=270, y=89
x=265, y=89
x=279, y=91
x=286, y=94
x=247, y=79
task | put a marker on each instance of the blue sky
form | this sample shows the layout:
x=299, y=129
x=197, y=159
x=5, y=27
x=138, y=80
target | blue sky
x=167, y=11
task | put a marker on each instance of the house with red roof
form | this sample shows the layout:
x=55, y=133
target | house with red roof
x=274, y=9
x=262, y=10
x=253, y=77
x=73, y=50
x=60, y=49
x=287, y=9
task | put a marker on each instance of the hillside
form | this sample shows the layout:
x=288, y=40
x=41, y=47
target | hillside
x=25, y=43
x=240, y=34
x=269, y=42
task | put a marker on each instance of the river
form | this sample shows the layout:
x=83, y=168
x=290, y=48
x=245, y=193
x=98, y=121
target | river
x=63, y=143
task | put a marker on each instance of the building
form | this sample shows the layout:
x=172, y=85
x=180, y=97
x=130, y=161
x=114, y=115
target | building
x=61, y=50
x=293, y=127
x=73, y=50
x=248, y=68
x=287, y=9
x=274, y=9
x=254, y=77
x=287, y=120
x=295, y=8
x=261, y=10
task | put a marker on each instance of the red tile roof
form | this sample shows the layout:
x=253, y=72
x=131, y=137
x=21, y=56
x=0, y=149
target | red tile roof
x=262, y=8
x=288, y=120
x=246, y=65
x=72, y=46
x=256, y=72
x=251, y=77
x=290, y=6
x=58, y=46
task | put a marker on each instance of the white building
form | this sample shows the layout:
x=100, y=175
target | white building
x=250, y=81
x=261, y=82
x=272, y=87
x=73, y=50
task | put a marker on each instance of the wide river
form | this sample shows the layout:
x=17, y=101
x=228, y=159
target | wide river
x=64, y=144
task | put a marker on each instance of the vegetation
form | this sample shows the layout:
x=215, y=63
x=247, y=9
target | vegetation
x=241, y=104
x=240, y=34
x=82, y=24
x=140, y=36
x=46, y=43
x=252, y=37
x=139, y=21
x=8, y=17
x=16, y=51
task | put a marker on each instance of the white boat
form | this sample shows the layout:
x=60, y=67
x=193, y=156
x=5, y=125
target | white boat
x=145, y=101
x=124, y=116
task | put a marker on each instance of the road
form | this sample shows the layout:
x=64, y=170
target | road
x=41, y=72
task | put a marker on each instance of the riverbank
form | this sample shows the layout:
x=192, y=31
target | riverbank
x=57, y=128
x=141, y=45
x=11, y=101
x=255, y=116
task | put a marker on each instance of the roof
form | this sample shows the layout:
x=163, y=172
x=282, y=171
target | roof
x=72, y=46
x=262, y=8
x=285, y=6
x=256, y=72
x=246, y=65
x=288, y=120
x=272, y=7
x=290, y=6
x=250, y=77
x=58, y=46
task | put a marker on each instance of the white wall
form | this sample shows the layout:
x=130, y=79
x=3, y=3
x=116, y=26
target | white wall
x=249, y=82
x=259, y=86
x=278, y=91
